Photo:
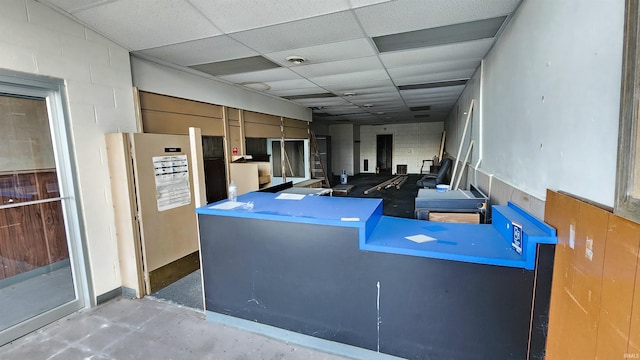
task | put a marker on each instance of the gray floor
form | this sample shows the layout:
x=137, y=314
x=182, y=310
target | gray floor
x=186, y=291
x=149, y=329
x=37, y=294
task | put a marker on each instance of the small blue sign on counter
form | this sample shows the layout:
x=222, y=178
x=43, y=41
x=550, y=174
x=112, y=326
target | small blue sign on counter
x=516, y=244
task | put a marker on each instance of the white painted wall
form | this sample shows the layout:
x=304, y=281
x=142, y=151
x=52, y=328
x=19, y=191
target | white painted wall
x=454, y=126
x=37, y=40
x=412, y=143
x=550, y=99
x=342, y=150
x=152, y=77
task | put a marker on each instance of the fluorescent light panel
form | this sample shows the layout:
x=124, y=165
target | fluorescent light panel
x=310, y=96
x=432, y=85
x=420, y=108
x=449, y=34
x=236, y=66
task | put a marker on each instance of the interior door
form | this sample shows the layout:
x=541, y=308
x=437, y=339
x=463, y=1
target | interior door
x=166, y=205
x=384, y=153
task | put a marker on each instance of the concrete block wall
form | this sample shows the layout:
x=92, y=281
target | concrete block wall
x=412, y=143
x=37, y=40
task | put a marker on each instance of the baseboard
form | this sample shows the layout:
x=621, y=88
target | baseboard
x=109, y=295
x=176, y=270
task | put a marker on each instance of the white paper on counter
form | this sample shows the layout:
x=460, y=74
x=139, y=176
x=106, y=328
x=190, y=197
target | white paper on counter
x=227, y=205
x=420, y=238
x=285, y=196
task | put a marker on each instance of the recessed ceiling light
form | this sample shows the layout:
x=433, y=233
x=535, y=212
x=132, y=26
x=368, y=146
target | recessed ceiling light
x=295, y=59
x=256, y=85
x=349, y=93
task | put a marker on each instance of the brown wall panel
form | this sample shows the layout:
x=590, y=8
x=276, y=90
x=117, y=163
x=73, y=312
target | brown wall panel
x=233, y=114
x=151, y=101
x=295, y=133
x=595, y=298
x=618, y=281
x=235, y=137
x=158, y=122
x=255, y=130
x=296, y=123
x=588, y=258
x=254, y=117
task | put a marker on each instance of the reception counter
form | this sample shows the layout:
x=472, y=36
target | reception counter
x=335, y=268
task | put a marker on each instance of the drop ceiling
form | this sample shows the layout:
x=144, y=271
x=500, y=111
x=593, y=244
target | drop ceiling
x=366, y=61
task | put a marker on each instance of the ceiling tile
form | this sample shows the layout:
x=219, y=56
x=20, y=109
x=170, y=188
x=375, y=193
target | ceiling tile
x=303, y=33
x=362, y=3
x=434, y=77
x=431, y=91
x=439, y=67
x=321, y=102
x=144, y=24
x=475, y=50
x=75, y=5
x=341, y=50
x=339, y=67
x=360, y=86
x=300, y=86
x=269, y=75
x=389, y=18
x=270, y=12
x=200, y=51
x=351, y=78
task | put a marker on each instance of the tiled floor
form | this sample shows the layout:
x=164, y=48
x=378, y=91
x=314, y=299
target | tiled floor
x=149, y=329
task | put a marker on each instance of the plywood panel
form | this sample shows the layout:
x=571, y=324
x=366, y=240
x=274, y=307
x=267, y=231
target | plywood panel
x=469, y=218
x=151, y=101
x=166, y=235
x=233, y=114
x=561, y=212
x=634, y=329
x=255, y=130
x=158, y=122
x=235, y=137
x=295, y=133
x=296, y=123
x=124, y=205
x=567, y=315
x=245, y=176
x=618, y=281
x=588, y=257
x=259, y=118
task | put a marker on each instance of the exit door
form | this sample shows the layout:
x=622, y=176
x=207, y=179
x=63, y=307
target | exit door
x=40, y=274
x=384, y=154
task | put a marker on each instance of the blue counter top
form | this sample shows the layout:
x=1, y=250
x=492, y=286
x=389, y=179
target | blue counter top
x=322, y=210
x=476, y=243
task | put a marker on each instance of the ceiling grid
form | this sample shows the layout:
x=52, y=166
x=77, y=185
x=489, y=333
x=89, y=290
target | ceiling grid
x=366, y=61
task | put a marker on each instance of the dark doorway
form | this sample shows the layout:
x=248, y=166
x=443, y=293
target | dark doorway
x=384, y=153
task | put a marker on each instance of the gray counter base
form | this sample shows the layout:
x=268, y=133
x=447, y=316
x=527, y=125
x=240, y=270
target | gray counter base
x=314, y=280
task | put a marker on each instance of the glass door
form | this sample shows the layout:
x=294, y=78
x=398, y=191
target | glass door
x=37, y=282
